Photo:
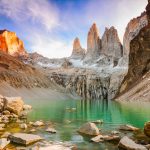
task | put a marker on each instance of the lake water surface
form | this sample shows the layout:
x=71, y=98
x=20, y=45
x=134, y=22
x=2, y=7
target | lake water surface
x=112, y=113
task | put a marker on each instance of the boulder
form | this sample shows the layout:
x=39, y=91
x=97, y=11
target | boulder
x=147, y=129
x=3, y=143
x=24, y=139
x=38, y=124
x=128, y=144
x=14, y=104
x=89, y=129
x=128, y=127
x=51, y=130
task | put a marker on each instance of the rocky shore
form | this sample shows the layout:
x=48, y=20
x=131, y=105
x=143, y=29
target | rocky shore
x=17, y=133
x=13, y=116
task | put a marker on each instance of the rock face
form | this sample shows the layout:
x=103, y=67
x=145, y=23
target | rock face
x=132, y=30
x=88, y=86
x=138, y=47
x=147, y=129
x=93, y=44
x=111, y=45
x=89, y=129
x=127, y=144
x=78, y=52
x=11, y=44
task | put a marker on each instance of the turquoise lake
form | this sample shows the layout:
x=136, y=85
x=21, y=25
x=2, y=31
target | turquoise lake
x=112, y=113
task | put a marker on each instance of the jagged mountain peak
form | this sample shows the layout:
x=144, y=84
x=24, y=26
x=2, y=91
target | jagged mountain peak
x=78, y=51
x=76, y=43
x=111, y=45
x=94, y=30
x=93, y=44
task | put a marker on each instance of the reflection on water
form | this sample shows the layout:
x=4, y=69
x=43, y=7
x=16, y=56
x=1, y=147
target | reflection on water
x=113, y=114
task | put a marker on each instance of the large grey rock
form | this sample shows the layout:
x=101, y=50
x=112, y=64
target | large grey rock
x=89, y=129
x=111, y=45
x=128, y=144
x=23, y=138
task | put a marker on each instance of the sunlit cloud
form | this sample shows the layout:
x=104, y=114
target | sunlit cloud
x=33, y=11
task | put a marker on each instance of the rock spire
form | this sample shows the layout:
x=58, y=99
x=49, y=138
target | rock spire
x=78, y=51
x=111, y=45
x=93, y=43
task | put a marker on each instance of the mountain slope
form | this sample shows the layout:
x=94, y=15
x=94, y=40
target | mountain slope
x=135, y=85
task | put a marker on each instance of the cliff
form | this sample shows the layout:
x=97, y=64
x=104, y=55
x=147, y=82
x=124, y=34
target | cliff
x=139, y=57
x=11, y=44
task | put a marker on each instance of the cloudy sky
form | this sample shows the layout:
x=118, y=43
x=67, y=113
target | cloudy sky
x=50, y=26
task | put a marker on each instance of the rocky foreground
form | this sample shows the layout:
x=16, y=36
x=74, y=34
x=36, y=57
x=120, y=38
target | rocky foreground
x=14, y=115
x=24, y=135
